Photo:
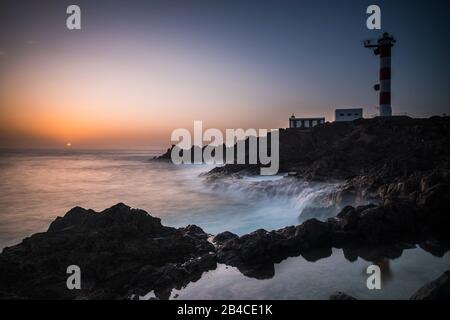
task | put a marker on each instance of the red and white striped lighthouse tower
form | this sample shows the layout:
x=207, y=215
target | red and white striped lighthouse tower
x=383, y=47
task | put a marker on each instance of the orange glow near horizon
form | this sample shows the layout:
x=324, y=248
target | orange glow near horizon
x=102, y=97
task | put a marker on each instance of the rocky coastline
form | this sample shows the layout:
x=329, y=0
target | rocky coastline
x=380, y=160
x=119, y=251
x=401, y=166
x=125, y=252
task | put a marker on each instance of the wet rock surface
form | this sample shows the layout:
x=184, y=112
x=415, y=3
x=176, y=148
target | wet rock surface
x=438, y=289
x=124, y=252
x=379, y=149
x=341, y=296
x=118, y=251
x=388, y=228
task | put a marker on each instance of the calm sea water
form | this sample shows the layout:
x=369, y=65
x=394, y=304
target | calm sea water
x=37, y=186
x=296, y=278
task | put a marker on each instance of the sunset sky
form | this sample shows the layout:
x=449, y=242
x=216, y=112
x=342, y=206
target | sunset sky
x=139, y=69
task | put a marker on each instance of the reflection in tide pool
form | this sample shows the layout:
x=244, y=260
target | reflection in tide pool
x=296, y=278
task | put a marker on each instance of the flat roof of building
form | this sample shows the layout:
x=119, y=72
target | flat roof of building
x=349, y=109
x=312, y=118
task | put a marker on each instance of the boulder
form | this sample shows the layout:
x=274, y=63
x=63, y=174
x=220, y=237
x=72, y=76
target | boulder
x=224, y=237
x=313, y=234
x=111, y=248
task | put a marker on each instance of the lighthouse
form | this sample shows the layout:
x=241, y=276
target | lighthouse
x=382, y=47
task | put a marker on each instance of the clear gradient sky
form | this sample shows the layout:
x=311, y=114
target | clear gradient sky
x=139, y=69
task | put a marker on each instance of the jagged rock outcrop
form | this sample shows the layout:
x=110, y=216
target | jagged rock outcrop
x=438, y=289
x=123, y=251
x=380, y=149
x=380, y=159
x=383, y=226
x=118, y=250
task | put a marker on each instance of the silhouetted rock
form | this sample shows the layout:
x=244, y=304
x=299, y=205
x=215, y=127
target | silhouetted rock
x=314, y=234
x=371, y=232
x=381, y=149
x=118, y=250
x=394, y=221
x=320, y=213
x=400, y=164
x=341, y=296
x=258, y=251
x=436, y=248
x=438, y=289
x=374, y=253
x=223, y=237
x=123, y=251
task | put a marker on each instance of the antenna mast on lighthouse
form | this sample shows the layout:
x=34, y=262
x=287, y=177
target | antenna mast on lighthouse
x=383, y=47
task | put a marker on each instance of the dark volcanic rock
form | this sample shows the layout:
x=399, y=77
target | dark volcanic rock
x=320, y=213
x=381, y=149
x=224, y=236
x=387, y=223
x=123, y=251
x=371, y=232
x=436, y=248
x=341, y=296
x=254, y=254
x=314, y=234
x=438, y=289
x=376, y=253
x=110, y=247
x=400, y=164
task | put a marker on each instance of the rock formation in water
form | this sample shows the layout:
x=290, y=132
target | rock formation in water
x=118, y=250
x=372, y=226
x=438, y=289
x=341, y=296
x=380, y=159
x=379, y=147
x=124, y=252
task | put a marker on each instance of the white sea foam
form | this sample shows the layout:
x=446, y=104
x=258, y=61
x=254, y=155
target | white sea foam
x=37, y=186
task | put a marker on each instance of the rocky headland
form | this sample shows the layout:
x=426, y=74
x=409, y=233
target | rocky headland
x=390, y=162
x=118, y=250
x=379, y=159
x=399, y=165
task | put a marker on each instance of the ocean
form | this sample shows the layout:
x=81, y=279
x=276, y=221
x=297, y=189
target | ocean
x=39, y=185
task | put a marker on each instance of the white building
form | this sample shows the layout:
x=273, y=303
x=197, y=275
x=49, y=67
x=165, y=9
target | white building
x=304, y=123
x=341, y=115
